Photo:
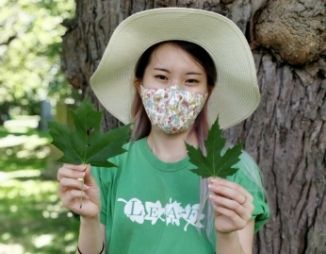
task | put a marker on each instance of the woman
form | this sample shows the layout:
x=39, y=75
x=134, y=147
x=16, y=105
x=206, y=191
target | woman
x=152, y=202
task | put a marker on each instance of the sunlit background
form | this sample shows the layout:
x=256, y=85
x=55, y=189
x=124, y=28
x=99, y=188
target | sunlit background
x=33, y=90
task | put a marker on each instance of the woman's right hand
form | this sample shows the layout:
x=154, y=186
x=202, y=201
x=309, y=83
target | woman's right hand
x=82, y=199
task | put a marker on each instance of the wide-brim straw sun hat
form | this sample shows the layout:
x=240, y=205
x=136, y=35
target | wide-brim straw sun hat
x=235, y=95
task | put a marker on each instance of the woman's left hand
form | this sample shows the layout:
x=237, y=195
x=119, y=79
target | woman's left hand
x=233, y=205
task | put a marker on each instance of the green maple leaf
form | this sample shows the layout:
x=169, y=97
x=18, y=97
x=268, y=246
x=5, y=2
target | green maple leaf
x=216, y=162
x=85, y=144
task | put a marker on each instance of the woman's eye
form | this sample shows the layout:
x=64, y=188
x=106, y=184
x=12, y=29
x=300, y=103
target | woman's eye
x=161, y=77
x=192, y=82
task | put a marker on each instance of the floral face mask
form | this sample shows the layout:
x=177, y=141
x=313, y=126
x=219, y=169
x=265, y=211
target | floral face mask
x=172, y=109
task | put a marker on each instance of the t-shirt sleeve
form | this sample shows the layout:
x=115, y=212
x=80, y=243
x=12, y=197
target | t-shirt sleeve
x=249, y=177
x=105, y=179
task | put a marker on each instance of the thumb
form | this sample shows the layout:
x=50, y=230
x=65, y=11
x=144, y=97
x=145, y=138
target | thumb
x=88, y=179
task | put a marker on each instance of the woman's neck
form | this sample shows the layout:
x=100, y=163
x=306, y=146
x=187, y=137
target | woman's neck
x=170, y=148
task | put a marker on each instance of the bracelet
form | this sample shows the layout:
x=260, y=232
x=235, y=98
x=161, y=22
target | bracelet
x=99, y=253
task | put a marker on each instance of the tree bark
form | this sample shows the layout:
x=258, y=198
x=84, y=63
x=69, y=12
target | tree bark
x=286, y=134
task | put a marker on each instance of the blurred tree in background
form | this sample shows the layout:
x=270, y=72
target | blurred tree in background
x=30, y=44
x=287, y=133
x=32, y=219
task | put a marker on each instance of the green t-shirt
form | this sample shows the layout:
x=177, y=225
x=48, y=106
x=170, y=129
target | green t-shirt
x=149, y=206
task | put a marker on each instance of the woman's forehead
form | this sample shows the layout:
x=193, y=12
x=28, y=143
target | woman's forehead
x=170, y=54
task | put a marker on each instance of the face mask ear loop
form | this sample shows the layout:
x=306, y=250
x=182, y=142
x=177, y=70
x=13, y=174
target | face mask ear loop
x=140, y=88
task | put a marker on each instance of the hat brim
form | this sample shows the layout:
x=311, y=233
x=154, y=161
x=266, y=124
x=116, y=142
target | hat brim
x=236, y=93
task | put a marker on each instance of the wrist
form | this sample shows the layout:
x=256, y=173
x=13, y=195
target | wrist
x=228, y=236
x=89, y=220
x=229, y=243
x=101, y=251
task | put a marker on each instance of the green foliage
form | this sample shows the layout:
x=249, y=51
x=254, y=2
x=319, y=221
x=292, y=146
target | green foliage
x=32, y=217
x=216, y=162
x=86, y=144
x=33, y=220
x=30, y=42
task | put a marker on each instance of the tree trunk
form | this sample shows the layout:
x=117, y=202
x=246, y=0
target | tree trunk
x=287, y=133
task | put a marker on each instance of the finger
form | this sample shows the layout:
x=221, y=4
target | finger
x=227, y=192
x=69, y=173
x=234, y=217
x=240, y=188
x=72, y=196
x=232, y=185
x=242, y=211
x=72, y=183
x=77, y=208
x=89, y=180
x=80, y=167
x=84, y=210
x=246, y=195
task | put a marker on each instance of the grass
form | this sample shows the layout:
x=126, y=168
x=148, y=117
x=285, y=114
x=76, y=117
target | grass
x=32, y=219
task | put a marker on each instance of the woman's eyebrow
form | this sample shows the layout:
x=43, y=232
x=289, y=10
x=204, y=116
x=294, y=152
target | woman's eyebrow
x=194, y=73
x=162, y=69
x=188, y=73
